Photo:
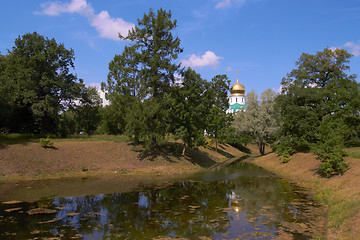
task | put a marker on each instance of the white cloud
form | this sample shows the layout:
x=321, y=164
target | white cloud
x=75, y=6
x=354, y=48
x=228, y=3
x=101, y=93
x=333, y=48
x=105, y=25
x=109, y=27
x=208, y=59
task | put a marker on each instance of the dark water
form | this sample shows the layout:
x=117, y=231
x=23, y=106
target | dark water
x=240, y=201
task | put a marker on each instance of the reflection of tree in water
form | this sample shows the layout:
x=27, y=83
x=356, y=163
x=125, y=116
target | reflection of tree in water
x=184, y=209
x=250, y=197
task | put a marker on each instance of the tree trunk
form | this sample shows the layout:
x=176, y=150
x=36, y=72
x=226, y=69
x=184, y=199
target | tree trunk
x=136, y=139
x=262, y=148
x=184, y=149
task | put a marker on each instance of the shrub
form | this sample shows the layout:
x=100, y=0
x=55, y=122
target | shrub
x=283, y=147
x=46, y=142
x=285, y=158
x=331, y=167
x=329, y=147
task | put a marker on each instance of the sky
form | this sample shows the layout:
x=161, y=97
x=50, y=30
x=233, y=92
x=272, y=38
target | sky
x=262, y=39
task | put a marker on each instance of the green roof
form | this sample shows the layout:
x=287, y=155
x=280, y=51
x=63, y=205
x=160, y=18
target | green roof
x=237, y=106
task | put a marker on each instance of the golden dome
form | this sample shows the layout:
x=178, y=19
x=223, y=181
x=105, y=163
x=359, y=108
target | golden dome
x=237, y=89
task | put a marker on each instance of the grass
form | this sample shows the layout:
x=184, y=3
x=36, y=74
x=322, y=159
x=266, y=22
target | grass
x=353, y=152
x=15, y=138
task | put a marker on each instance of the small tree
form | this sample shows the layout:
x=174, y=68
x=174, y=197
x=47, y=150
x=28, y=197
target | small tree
x=260, y=120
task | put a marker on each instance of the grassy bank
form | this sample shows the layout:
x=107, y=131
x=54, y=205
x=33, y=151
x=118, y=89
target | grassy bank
x=341, y=194
x=22, y=157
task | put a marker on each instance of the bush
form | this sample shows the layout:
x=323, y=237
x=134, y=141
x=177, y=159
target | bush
x=46, y=142
x=332, y=167
x=329, y=147
x=285, y=158
x=283, y=147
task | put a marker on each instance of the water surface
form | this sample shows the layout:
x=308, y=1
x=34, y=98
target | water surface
x=238, y=201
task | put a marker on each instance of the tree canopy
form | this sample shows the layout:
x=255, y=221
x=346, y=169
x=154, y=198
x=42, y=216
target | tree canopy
x=37, y=83
x=144, y=73
x=318, y=96
x=260, y=120
x=142, y=82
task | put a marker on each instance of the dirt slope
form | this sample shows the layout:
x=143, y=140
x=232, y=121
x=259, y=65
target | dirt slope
x=30, y=160
x=341, y=193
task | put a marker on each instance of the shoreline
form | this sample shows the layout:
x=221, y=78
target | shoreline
x=340, y=194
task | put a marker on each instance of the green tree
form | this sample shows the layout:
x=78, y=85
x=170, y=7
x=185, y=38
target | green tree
x=189, y=109
x=217, y=104
x=123, y=91
x=5, y=97
x=88, y=111
x=316, y=96
x=156, y=49
x=146, y=70
x=113, y=116
x=260, y=120
x=38, y=74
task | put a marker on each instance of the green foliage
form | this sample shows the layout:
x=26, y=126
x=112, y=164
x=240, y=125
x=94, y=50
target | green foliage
x=353, y=152
x=284, y=146
x=329, y=147
x=332, y=167
x=216, y=103
x=259, y=120
x=88, y=111
x=188, y=113
x=285, y=158
x=319, y=107
x=142, y=76
x=46, y=142
x=36, y=84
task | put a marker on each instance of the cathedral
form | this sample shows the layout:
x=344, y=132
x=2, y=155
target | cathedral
x=237, y=97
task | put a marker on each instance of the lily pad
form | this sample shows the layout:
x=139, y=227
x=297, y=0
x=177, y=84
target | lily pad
x=72, y=214
x=41, y=211
x=11, y=202
x=12, y=209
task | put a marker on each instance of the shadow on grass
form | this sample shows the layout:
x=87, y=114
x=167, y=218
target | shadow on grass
x=19, y=138
x=222, y=152
x=167, y=151
x=172, y=150
x=241, y=148
x=50, y=147
x=199, y=158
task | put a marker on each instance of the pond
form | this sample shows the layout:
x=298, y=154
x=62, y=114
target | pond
x=239, y=201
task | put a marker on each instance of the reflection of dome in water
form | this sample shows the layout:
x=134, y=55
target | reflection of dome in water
x=237, y=89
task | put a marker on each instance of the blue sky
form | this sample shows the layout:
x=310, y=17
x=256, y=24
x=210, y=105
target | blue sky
x=260, y=38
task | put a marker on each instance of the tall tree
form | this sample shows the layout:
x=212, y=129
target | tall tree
x=38, y=72
x=217, y=104
x=88, y=111
x=260, y=120
x=149, y=61
x=317, y=95
x=123, y=91
x=189, y=109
